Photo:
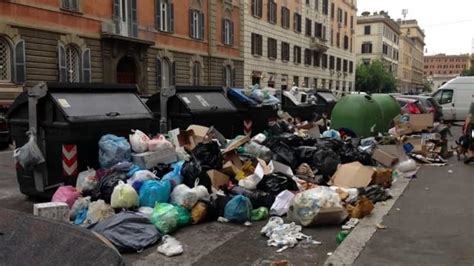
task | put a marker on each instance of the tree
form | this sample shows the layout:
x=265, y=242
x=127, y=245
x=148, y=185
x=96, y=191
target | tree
x=426, y=86
x=375, y=78
x=468, y=72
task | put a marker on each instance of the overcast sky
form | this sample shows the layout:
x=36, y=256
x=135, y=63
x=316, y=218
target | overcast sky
x=448, y=25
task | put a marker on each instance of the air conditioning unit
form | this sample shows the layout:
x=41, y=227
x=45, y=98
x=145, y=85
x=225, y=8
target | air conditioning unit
x=108, y=27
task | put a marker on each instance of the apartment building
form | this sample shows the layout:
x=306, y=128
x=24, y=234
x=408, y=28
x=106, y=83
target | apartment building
x=440, y=68
x=378, y=38
x=412, y=43
x=154, y=43
x=289, y=43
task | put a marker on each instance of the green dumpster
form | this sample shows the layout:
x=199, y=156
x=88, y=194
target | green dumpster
x=390, y=109
x=360, y=113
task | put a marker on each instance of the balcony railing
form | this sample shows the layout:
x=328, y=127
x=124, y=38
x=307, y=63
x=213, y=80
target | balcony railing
x=318, y=44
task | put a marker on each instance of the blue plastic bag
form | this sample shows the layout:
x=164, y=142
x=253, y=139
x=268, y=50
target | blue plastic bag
x=153, y=191
x=112, y=150
x=81, y=216
x=175, y=176
x=238, y=209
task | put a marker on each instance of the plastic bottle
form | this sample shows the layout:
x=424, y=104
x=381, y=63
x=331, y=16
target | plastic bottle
x=341, y=236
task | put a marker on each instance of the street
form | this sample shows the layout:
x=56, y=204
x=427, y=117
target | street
x=430, y=223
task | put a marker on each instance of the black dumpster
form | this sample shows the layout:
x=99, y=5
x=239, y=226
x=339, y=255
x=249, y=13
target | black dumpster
x=254, y=116
x=202, y=105
x=327, y=99
x=71, y=118
x=302, y=105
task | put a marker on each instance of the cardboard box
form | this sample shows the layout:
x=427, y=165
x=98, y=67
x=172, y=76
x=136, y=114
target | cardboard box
x=200, y=133
x=403, y=129
x=150, y=159
x=218, y=178
x=384, y=158
x=353, y=175
x=331, y=216
x=395, y=150
x=58, y=211
x=419, y=146
x=420, y=122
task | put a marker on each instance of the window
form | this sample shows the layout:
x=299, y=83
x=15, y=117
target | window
x=164, y=15
x=344, y=65
x=350, y=45
x=257, y=8
x=272, y=48
x=315, y=83
x=385, y=49
x=256, y=44
x=316, y=59
x=367, y=30
x=338, y=64
x=308, y=29
x=196, y=24
x=285, y=51
x=125, y=17
x=332, y=37
x=165, y=73
x=285, y=17
x=324, y=60
x=296, y=81
x=229, y=76
x=351, y=67
x=297, y=22
x=352, y=22
x=196, y=74
x=70, y=5
x=316, y=4
x=332, y=10
x=338, y=39
x=444, y=96
x=6, y=57
x=307, y=2
x=339, y=15
x=307, y=57
x=227, y=32
x=326, y=7
x=366, y=48
x=74, y=64
x=272, y=11
x=345, y=18
x=331, y=62
x=297, y=54
x=346, y=42
x=318, y=30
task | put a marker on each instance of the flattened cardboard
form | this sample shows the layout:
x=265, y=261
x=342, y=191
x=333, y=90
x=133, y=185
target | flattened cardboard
x=420, y=122
x=237, y=143
x=384, y=158
x=200, y=132
x=353, y=175
x=218, y=178
x=331, y=216
x=395, y=150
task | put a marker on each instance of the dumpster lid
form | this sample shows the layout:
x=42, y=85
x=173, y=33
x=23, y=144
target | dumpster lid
x=204, y=102
x=86, y=107
x=327, y=95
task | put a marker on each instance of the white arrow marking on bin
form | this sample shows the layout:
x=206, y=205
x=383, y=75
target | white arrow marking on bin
x=70, y=170
x=71, y=153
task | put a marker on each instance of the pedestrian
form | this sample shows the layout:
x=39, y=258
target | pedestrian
x=468, y=131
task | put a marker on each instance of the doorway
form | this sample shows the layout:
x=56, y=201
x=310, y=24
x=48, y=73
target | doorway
x=126, y=70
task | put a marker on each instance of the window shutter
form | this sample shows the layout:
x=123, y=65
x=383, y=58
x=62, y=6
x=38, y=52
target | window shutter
x=133, y=14
x=74, y=5
x=86, y=65
x=173, y=74
x=65, y=4
x=269, y=11
x=158, y=14
x=158, y=73
x=252, y=6
x=223, y=31
x=116, y=16
x=294, y=22
x=62, y=63
x=282, y=17
x=201, y=22
x=191, y=23
x=231, y=33
x=233, y=77
x=171, y=16
x=20, y=62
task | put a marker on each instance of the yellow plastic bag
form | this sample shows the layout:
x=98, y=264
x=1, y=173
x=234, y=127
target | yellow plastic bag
x=124, y=196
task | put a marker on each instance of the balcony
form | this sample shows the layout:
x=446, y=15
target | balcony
x=318, y=44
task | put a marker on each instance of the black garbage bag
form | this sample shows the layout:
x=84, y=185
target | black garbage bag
x=216, y=206
x=209, y=155
x=332, y=144
x=161, y=169
x=375, y=193
x=349, y=154
x=291, y=140
x=326, y=161
x=128, y=231
x=279, y=128
x=284, y=154
x=258, y=198
x=107, y=184
x=276, y=183
x=192, y=170
x=304, y=154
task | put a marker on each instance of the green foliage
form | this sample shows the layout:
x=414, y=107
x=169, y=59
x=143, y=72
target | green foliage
x=468, y=72
x=375, y=78
x=426, y=86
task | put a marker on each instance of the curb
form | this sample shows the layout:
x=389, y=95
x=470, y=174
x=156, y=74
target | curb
x=348, y=251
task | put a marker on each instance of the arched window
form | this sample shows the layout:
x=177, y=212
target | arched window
x=196, y=73
x=5, y=61
x=228, y=76
x=165, y=72
x=72, y=64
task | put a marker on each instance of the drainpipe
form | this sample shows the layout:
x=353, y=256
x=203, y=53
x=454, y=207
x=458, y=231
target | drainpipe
x=209, y=42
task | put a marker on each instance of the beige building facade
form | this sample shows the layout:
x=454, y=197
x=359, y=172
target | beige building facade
x=378, y=38
x=412, y=45
x=288, y=43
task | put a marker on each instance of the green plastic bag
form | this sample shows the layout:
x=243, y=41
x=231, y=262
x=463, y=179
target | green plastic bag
x=165, y=217
x=259, y=214
x=184, y=216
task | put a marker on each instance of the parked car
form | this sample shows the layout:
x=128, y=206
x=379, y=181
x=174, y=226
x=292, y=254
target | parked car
x=456, y=97
x=5, y=138
x=410, y=106
x=430, y=104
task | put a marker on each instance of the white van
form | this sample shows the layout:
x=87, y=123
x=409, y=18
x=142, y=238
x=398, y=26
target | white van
x=455, y=97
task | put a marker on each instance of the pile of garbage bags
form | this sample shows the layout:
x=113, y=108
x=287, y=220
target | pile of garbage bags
x=149, y=187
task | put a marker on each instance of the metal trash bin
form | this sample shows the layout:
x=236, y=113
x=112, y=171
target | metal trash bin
x=304, y=105
x=187, y=105
x=69, y=119
x=327, y=99
x=255, y=117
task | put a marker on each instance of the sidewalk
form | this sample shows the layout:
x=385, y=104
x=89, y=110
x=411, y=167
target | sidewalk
x=432, y=223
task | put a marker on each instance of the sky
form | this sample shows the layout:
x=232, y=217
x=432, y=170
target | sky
x=448, y=25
